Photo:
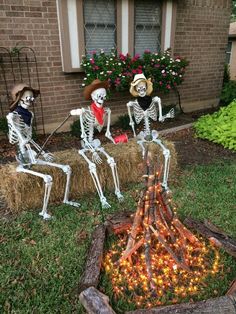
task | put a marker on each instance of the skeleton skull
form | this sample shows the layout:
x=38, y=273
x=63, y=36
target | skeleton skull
x=141, y=88
x=98, y=96
x=27, y=99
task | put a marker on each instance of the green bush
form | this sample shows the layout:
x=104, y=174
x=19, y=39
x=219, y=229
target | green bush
x=123, y=122
x=228, y=93
x=3, y=125
x=226, y=78
x=219, y=127
x=75, y=128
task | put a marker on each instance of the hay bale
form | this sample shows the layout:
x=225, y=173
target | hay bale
x=23, y=191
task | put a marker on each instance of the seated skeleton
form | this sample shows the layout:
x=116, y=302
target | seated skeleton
x=94, y=118
x=20, y=121
x=144, y=108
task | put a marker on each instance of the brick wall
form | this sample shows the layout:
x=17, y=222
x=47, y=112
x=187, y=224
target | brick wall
x=201, y=37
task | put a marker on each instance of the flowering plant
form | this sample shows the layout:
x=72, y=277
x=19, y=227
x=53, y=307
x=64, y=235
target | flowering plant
x=166, y=72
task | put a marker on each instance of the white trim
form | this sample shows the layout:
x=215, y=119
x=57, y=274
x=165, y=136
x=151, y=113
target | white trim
x=73, y=33
x=124, y=26
x=169, y=12
x=60, y=32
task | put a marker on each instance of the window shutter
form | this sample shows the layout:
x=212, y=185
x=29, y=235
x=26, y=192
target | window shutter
x=147, y=30
x=99, y=25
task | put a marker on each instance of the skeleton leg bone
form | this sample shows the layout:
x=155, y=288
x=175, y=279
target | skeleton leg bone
x=166, y=154
x=141, y=143
x=67, y=170
x=48, y=185
x=112, y=164
x=93, y=172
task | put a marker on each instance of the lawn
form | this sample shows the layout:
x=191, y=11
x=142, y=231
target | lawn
x=41, y=261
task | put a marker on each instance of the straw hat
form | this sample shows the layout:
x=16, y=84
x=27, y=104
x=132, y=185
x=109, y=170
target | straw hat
x=137, y=79
x=18, y=91
x=93, y=86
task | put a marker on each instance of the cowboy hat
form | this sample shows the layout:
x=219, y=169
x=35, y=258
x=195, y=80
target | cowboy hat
x=93, y=86
x=17, y=92
x=137, y=79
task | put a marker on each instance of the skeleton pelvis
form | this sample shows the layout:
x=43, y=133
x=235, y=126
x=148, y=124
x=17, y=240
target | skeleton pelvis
x=94, y=143
x=27, y=157
x=149, y=137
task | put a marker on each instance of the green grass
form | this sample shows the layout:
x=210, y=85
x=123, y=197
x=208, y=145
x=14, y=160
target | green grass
x=41, y=261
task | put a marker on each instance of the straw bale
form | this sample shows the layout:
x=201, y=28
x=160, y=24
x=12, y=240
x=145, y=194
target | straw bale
x=23, y=191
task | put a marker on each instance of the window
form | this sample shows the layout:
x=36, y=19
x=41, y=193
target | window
x=228, y=52
x=99, y=25
x=147, y=29
x=130, y=26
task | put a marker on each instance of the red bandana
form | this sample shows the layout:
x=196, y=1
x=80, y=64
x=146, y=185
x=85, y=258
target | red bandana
x=98, y=112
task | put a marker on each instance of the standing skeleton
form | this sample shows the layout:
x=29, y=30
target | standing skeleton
x=144, y=107
x=20, y=121
x=91, y=118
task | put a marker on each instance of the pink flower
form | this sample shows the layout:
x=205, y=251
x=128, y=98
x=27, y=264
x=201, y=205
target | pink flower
x=168, y=86
x=96, y=67
x=157, y=65
x=160, y=83
x=122, y=57
x=92, y=61
x=139, y=71
x=134, y=71
x=147, y=51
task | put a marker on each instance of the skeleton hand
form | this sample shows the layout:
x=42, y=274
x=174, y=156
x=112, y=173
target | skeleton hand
x=48, y=157
x=96, y=158
x=76, y=112
x=170, y=114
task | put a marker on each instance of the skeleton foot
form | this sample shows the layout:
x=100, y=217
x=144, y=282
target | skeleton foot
x=104, y=203
x=119, y=196
x=75, y=204
x=45, y=216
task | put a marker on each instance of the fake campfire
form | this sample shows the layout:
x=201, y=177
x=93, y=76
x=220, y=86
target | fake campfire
x=159, y=261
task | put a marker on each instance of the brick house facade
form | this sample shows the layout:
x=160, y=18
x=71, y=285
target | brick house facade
x=199, y=33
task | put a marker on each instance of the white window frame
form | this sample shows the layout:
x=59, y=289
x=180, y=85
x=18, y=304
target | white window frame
x=71, y=23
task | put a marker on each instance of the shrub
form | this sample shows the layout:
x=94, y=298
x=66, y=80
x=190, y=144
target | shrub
x=228, y=93
x=226, y=77
x=75, y=128
x=166, y=72
x=3, y=125
x=219, y=127
x=123, y=122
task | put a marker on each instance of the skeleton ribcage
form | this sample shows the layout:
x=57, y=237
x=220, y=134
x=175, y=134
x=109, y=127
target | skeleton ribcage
x=15, y=122
x=89, y=122
x=140, y=114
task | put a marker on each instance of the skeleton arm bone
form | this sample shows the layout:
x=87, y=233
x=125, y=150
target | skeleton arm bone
x=162, y=118
x=157, y=101
x=108, y=133
x=46, y=156
x=131, y=121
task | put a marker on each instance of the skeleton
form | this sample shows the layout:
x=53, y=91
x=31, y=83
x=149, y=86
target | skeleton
x=89, y=121
x=143, y=109
x=20, y=121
